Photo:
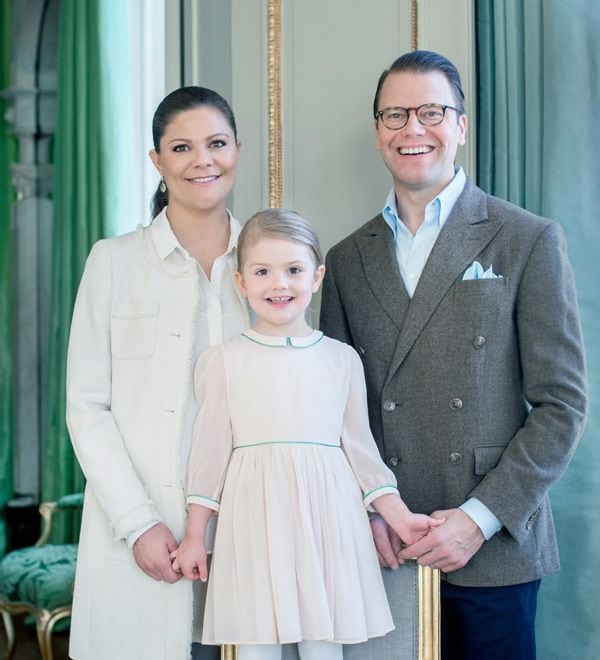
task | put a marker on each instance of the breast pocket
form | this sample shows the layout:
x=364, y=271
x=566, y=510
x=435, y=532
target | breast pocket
x=133, y=330
x=482, y=300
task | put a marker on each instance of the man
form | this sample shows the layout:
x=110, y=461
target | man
x=463, y=309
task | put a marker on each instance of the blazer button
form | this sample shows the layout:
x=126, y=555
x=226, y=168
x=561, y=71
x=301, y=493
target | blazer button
x=361, y=351
x=388, y=406
x=455, y=458
x=392, y=461
x=478, y=342
x=456, y=404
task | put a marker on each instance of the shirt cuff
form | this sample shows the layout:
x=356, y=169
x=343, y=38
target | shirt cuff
x=134, y=536
x=487, y=522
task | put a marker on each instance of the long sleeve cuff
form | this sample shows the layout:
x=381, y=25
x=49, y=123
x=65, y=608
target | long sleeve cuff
x=202, y=500
x=372, y=495
x=487, y=522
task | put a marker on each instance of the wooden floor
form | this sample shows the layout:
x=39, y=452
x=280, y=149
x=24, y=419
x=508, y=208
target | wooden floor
x=27, y=646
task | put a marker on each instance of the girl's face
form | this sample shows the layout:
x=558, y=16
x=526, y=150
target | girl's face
x=279, y=277
x=198, y=158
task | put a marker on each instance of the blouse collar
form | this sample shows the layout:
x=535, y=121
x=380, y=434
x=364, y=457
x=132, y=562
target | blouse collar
x=295, y=342
x=166, y=242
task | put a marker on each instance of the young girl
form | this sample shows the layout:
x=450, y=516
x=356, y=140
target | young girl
x=283, y=451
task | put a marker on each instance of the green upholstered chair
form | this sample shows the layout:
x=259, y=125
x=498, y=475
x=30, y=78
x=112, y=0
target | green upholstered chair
x=38, y=580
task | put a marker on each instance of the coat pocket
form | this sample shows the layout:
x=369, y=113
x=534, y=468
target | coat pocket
x=133, y=330
x=487, y=457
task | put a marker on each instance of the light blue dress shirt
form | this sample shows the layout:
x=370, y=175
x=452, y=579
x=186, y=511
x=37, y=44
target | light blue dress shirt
x=412, y=252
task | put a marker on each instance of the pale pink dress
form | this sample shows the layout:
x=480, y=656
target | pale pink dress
x=283, y=451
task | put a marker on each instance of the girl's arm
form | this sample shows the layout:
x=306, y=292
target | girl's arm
x=212, y=437
x=190, y=557
x=212, y=442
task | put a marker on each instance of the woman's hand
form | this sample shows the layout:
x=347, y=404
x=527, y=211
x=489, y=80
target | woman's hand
x=152, y=553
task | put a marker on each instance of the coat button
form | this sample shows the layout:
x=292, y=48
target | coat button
x=455, y=458
x=456, y=404
x=361, y=351
x=478, y=342
x=392, y=461
x=388, y=406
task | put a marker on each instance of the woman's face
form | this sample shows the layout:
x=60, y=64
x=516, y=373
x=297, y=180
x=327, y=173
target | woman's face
x=197, y=159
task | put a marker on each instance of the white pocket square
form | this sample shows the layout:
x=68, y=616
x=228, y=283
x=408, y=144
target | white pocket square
x=475, y=272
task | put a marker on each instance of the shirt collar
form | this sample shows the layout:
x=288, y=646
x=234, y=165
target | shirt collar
x=445, y=202
x=295, y=342
x=166, y=242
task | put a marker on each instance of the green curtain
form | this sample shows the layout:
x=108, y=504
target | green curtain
x=78, y=221
x=7, y=155
x=538, y=142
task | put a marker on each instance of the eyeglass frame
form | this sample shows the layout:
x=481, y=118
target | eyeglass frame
x=379, y=114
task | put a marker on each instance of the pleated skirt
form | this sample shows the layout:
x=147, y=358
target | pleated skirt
x=294, y=557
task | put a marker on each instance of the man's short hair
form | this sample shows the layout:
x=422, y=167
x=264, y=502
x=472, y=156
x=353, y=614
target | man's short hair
x=424, y=61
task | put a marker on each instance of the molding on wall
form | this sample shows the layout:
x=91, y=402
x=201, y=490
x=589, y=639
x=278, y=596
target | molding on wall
x=275, y=123
x=414, y=24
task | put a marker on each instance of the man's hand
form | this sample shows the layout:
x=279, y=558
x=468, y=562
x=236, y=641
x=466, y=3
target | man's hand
x=152, y=553
x=451, y=545
x=387, y=543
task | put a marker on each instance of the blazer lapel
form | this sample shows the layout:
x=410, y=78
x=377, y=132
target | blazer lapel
x=376, y=248
x=463, y=237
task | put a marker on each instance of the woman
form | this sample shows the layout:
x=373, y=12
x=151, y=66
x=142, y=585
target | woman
x=148, y=304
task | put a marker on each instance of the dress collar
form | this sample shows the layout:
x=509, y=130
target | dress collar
x=295, y=342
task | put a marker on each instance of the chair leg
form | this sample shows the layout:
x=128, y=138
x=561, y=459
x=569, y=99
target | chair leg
x=45, y=622
x=42, y=619
x=10, y=635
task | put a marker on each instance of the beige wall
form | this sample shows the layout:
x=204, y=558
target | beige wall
x=332, y=54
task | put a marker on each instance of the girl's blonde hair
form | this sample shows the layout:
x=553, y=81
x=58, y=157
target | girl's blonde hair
x=278, y=223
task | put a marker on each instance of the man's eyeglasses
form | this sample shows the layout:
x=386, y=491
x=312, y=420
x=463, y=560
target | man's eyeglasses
x=429, y=114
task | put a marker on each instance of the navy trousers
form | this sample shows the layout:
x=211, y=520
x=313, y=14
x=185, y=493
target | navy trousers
x=205, y=652
x=489, y=623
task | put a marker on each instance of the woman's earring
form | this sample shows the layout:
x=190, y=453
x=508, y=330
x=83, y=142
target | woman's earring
x=163, y=186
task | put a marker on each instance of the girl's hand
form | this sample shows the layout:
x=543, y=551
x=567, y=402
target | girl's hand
x=415, y=526
x=410, y=527
x=190, y=559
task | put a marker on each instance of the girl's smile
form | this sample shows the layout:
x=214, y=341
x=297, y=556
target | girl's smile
x=279, y=277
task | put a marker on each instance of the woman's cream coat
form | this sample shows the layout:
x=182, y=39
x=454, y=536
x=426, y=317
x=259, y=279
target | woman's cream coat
x=129, y=370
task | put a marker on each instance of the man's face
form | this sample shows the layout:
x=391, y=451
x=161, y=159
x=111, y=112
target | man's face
x=420, y=158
